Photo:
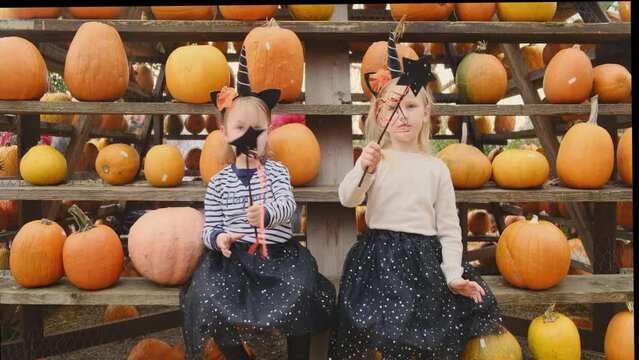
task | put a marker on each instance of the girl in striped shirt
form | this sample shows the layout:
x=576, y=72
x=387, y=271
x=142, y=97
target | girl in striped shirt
x=232, y=286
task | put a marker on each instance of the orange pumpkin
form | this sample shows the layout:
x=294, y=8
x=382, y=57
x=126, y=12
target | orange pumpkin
x=8, y=214
x=422, y=12
x=212, y=122
x=192, y=160
x=36, y=253
x=505, y=123
x=275, y=59
x=117, y=164
x=624, y=253
x=173, y=124
x=212, y=351
x=619, y=341
x=612, y=82
x=216, y=154
x=568, y=78
x=419, y=50
x=37, y=13
x=313, y=12
x=533, y=254
x=56, y=118
x=474, y=11
x=520, y=169
x=22, y=70
x=479, y=222
x=102, y=77
x=144, y=77
x=93, y=256
x=526, y=11
x=96, y=12
x=8, y=160
x=530, y=207
x=578, y=252
x=563, y=210
x=624, y=10
x=625, y=215
x=550, y=50
x=164, y=166
x=156, y=349
x=166, y=244
x=469, y=167
x=551, y=208
x=624, y=157
x=534, y=56
x=87, y=159
x=195, y=123
x=503, y=346
x=184, y=12
x=119, y=312
x=586, y=155
x=193, y=71
x=434, y=49
x=454, y=123
x=303, y=163
x=247, y=12
x=481, y=78
x=376, y=58
x=483, y=124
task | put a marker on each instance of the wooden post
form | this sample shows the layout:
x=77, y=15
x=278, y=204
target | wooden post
x=28, y=131
x=331, y=227
x=31, y=329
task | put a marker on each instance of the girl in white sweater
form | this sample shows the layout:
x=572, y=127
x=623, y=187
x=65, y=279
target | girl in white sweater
x=405, y=291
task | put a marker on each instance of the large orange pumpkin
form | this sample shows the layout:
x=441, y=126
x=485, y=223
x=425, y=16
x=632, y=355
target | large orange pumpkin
x=520, y=169
x=166, y=244
x=479, y=222
x=38, y=13
x=469, y=167
x=247, y=12
x=8, y=214
x=533, y=254
x=624, y=157
x=526, y=11
x=619, y=341
x=481, y=78
x=422, y=12
x=553, y=335
x=43, y=165
x=164, y=166
x=155, y=349
x=102, y=76
x=184, y=12
x=625, y=215
x=568, y=78
x=193, y=71
x=93, y=256
x=586, y=155
x=22, y=70
x=96, y=12
x=119, y=312
x=376, y=58
x=503, y=346
x=36, y=253
x=117, y=164
x=474, y=11
x=297, y=148
x=612, y=82
x=216, y=154
x=550, y=50
x=275, y=59
x=8, y=160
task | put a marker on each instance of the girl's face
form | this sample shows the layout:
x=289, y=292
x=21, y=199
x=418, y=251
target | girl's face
x=408, y=121
x=239, y=119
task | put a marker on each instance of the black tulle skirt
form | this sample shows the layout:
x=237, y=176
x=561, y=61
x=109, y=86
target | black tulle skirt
x=394, y=298
x=283, y=292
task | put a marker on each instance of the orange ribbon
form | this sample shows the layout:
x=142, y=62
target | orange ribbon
x=261, y=230
x=225, y=98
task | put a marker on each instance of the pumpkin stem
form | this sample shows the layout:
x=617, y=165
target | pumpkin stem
x=535, y=220
x=80, y=218
x=594, y=109
x=46, y=221
x=480, y=46
x=464, y=134
x=399, y=29
x=549, y=315
x=271, y=23
x=631, y=306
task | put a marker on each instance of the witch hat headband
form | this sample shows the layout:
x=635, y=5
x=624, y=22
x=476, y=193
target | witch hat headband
x=416, y=75
x=223, y=99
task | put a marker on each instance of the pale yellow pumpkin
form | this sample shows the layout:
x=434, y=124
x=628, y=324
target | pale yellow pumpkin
x=469, y=167
x=502, y=346
x=553, y=335
x=43, y=165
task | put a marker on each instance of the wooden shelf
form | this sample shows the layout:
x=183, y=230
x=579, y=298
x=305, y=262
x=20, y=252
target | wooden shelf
x=66, y=130
x=68, y=107
x=573, y=289
x=194, y=191
x=416, y=31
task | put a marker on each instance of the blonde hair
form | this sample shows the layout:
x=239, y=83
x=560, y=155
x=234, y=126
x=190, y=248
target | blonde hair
x=262, y=107
x=373, y=130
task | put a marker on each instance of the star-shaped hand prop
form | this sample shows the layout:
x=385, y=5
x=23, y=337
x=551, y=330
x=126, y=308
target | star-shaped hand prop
x=247, y=143
x=416, y=74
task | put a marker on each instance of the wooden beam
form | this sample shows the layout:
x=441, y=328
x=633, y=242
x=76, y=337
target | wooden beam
x=416, y=31
x=9, y=123
x=28, y=136
x=158, y=108
x=574, y=289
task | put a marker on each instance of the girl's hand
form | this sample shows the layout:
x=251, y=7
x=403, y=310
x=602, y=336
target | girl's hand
x=467, y=288
x=253, y=214
x=224, y=242
x=370, y=157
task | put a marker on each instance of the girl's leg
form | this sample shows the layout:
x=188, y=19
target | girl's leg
x=234, y=352
x=298, y=347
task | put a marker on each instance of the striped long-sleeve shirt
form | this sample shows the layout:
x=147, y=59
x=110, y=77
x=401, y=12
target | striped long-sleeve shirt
x=226, y=204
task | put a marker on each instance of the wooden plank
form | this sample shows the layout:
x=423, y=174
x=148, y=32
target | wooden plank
x=574, y=289
x=157, y=108
x=9, y=123
x=63, y=342
x=192, y=191
x=416, y=31
x=560, y=130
